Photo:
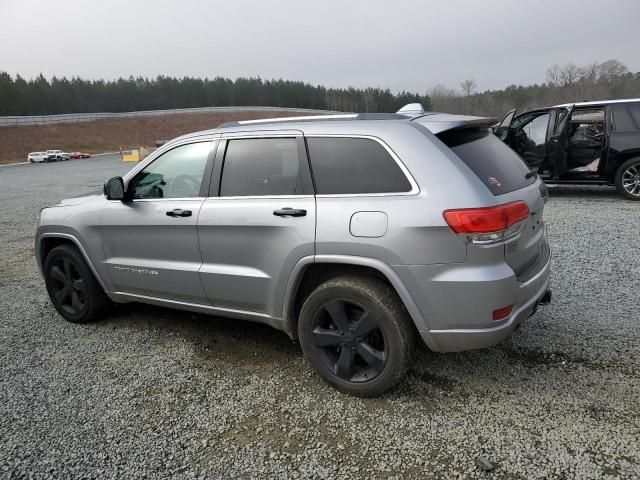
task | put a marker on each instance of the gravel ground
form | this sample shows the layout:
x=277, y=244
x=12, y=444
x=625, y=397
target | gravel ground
x=158, y=393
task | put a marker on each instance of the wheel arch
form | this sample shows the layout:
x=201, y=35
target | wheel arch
x=620, y=158
x=311, y=271
x=48, y=241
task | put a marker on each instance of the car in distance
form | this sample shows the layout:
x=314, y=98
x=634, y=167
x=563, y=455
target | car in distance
x=36, y=157
x=595, y=143
x=75, y=155
x=56, y=156
x=355, y=234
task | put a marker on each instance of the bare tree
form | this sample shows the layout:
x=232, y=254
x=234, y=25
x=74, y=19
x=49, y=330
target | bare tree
x=468, y=86
x=442, y=91
x=590, y=72
x=569, y=74
x=553, y=75
x=610, y=70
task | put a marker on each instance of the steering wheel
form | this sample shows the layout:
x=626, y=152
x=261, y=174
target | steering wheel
x=184, y=186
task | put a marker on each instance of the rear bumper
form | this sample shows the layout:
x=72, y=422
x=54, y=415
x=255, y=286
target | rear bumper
x=530, y=293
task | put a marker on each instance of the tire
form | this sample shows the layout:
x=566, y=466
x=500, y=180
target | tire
x=627, y=179
x=357, y=335
x=66, y=270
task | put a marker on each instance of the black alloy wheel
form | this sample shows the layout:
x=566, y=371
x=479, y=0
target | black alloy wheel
x=72, y=287
x=68, y=286
x=357, y=335
x=348, y=339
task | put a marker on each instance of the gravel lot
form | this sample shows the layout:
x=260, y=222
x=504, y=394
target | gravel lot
x=158, y=393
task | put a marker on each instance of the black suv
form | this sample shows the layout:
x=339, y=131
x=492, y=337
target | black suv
x=583, y=143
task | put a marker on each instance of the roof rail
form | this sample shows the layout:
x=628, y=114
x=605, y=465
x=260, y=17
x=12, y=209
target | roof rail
x=315, y=118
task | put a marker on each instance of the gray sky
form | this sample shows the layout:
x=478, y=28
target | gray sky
x=400, y=44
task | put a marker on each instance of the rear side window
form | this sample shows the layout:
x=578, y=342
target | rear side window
x=495, y=164
x=635, y=113
x=261, y=166
x=354, y=165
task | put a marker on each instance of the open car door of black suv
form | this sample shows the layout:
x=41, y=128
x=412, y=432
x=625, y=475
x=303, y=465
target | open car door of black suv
x=558, y=143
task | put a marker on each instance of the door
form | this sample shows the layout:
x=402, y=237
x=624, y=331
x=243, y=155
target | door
x=150, y=240
x=558, y=144
x=502, y=130
x=258, y=222
x=528, y=137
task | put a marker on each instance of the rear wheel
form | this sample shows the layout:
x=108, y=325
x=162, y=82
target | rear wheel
x=357, y=335
x=627, y=179
x=72, y=287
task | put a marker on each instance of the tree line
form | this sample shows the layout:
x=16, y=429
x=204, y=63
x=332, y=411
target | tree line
x=564, y=84
x=40, y=96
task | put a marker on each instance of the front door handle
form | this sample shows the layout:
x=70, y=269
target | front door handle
x=178, y=212
x=290, y=212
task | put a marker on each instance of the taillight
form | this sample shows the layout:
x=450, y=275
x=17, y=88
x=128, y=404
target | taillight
x=489, y=224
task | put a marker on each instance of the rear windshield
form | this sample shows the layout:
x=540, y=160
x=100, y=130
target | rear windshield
x=496, y=165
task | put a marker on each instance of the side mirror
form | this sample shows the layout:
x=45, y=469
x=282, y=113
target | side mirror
x=114, y=188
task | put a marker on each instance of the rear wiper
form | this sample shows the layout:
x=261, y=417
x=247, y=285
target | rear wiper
x=530, y=174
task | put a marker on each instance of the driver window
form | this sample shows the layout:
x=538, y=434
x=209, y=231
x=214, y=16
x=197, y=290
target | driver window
x=175, y=174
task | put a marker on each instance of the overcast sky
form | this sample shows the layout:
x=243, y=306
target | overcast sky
x=403, y=45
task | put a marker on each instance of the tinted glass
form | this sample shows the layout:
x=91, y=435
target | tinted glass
x=354, y=165
x=495, y=164
x=635, y=113
x=175, y=174
x=586, y=128
x=261, y=166
x=536, y=129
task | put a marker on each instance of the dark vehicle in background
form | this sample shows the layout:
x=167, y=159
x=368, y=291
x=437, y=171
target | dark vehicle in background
x=584, y=143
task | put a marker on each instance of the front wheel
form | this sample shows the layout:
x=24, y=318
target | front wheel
x=72, y=288
x=357, y=335
x=627, y=179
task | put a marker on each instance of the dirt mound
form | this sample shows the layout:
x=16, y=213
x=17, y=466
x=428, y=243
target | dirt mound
x=113, y=134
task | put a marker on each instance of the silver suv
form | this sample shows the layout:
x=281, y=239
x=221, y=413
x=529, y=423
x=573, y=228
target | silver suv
x=355, y=234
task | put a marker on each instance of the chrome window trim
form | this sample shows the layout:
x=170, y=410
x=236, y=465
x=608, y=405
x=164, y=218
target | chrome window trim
x=261, y=197
x=165, y=148
x=415, y=190
x=177, y=199
x=296, y=134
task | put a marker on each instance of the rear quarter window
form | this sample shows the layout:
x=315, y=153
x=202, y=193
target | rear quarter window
x=494, y=163
x=354, y=166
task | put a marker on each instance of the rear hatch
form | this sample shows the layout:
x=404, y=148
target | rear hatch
x=509, y=179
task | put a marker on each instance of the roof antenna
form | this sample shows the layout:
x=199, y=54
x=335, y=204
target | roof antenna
x=412, y=109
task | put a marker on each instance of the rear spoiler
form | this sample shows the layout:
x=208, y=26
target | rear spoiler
x=439, y=123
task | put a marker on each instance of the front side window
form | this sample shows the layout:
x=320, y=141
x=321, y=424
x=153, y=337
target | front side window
x=354, y=166
x=261, y=167
x=536, y=130
x=177, y=173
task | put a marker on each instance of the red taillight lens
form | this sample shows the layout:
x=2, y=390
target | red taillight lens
x=486, y=220
x=502, y=313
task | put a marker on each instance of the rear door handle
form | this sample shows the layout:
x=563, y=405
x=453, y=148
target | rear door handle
x=290, y=212
x=178, y=212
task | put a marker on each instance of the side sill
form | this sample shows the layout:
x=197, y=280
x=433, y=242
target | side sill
x=257, y=317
